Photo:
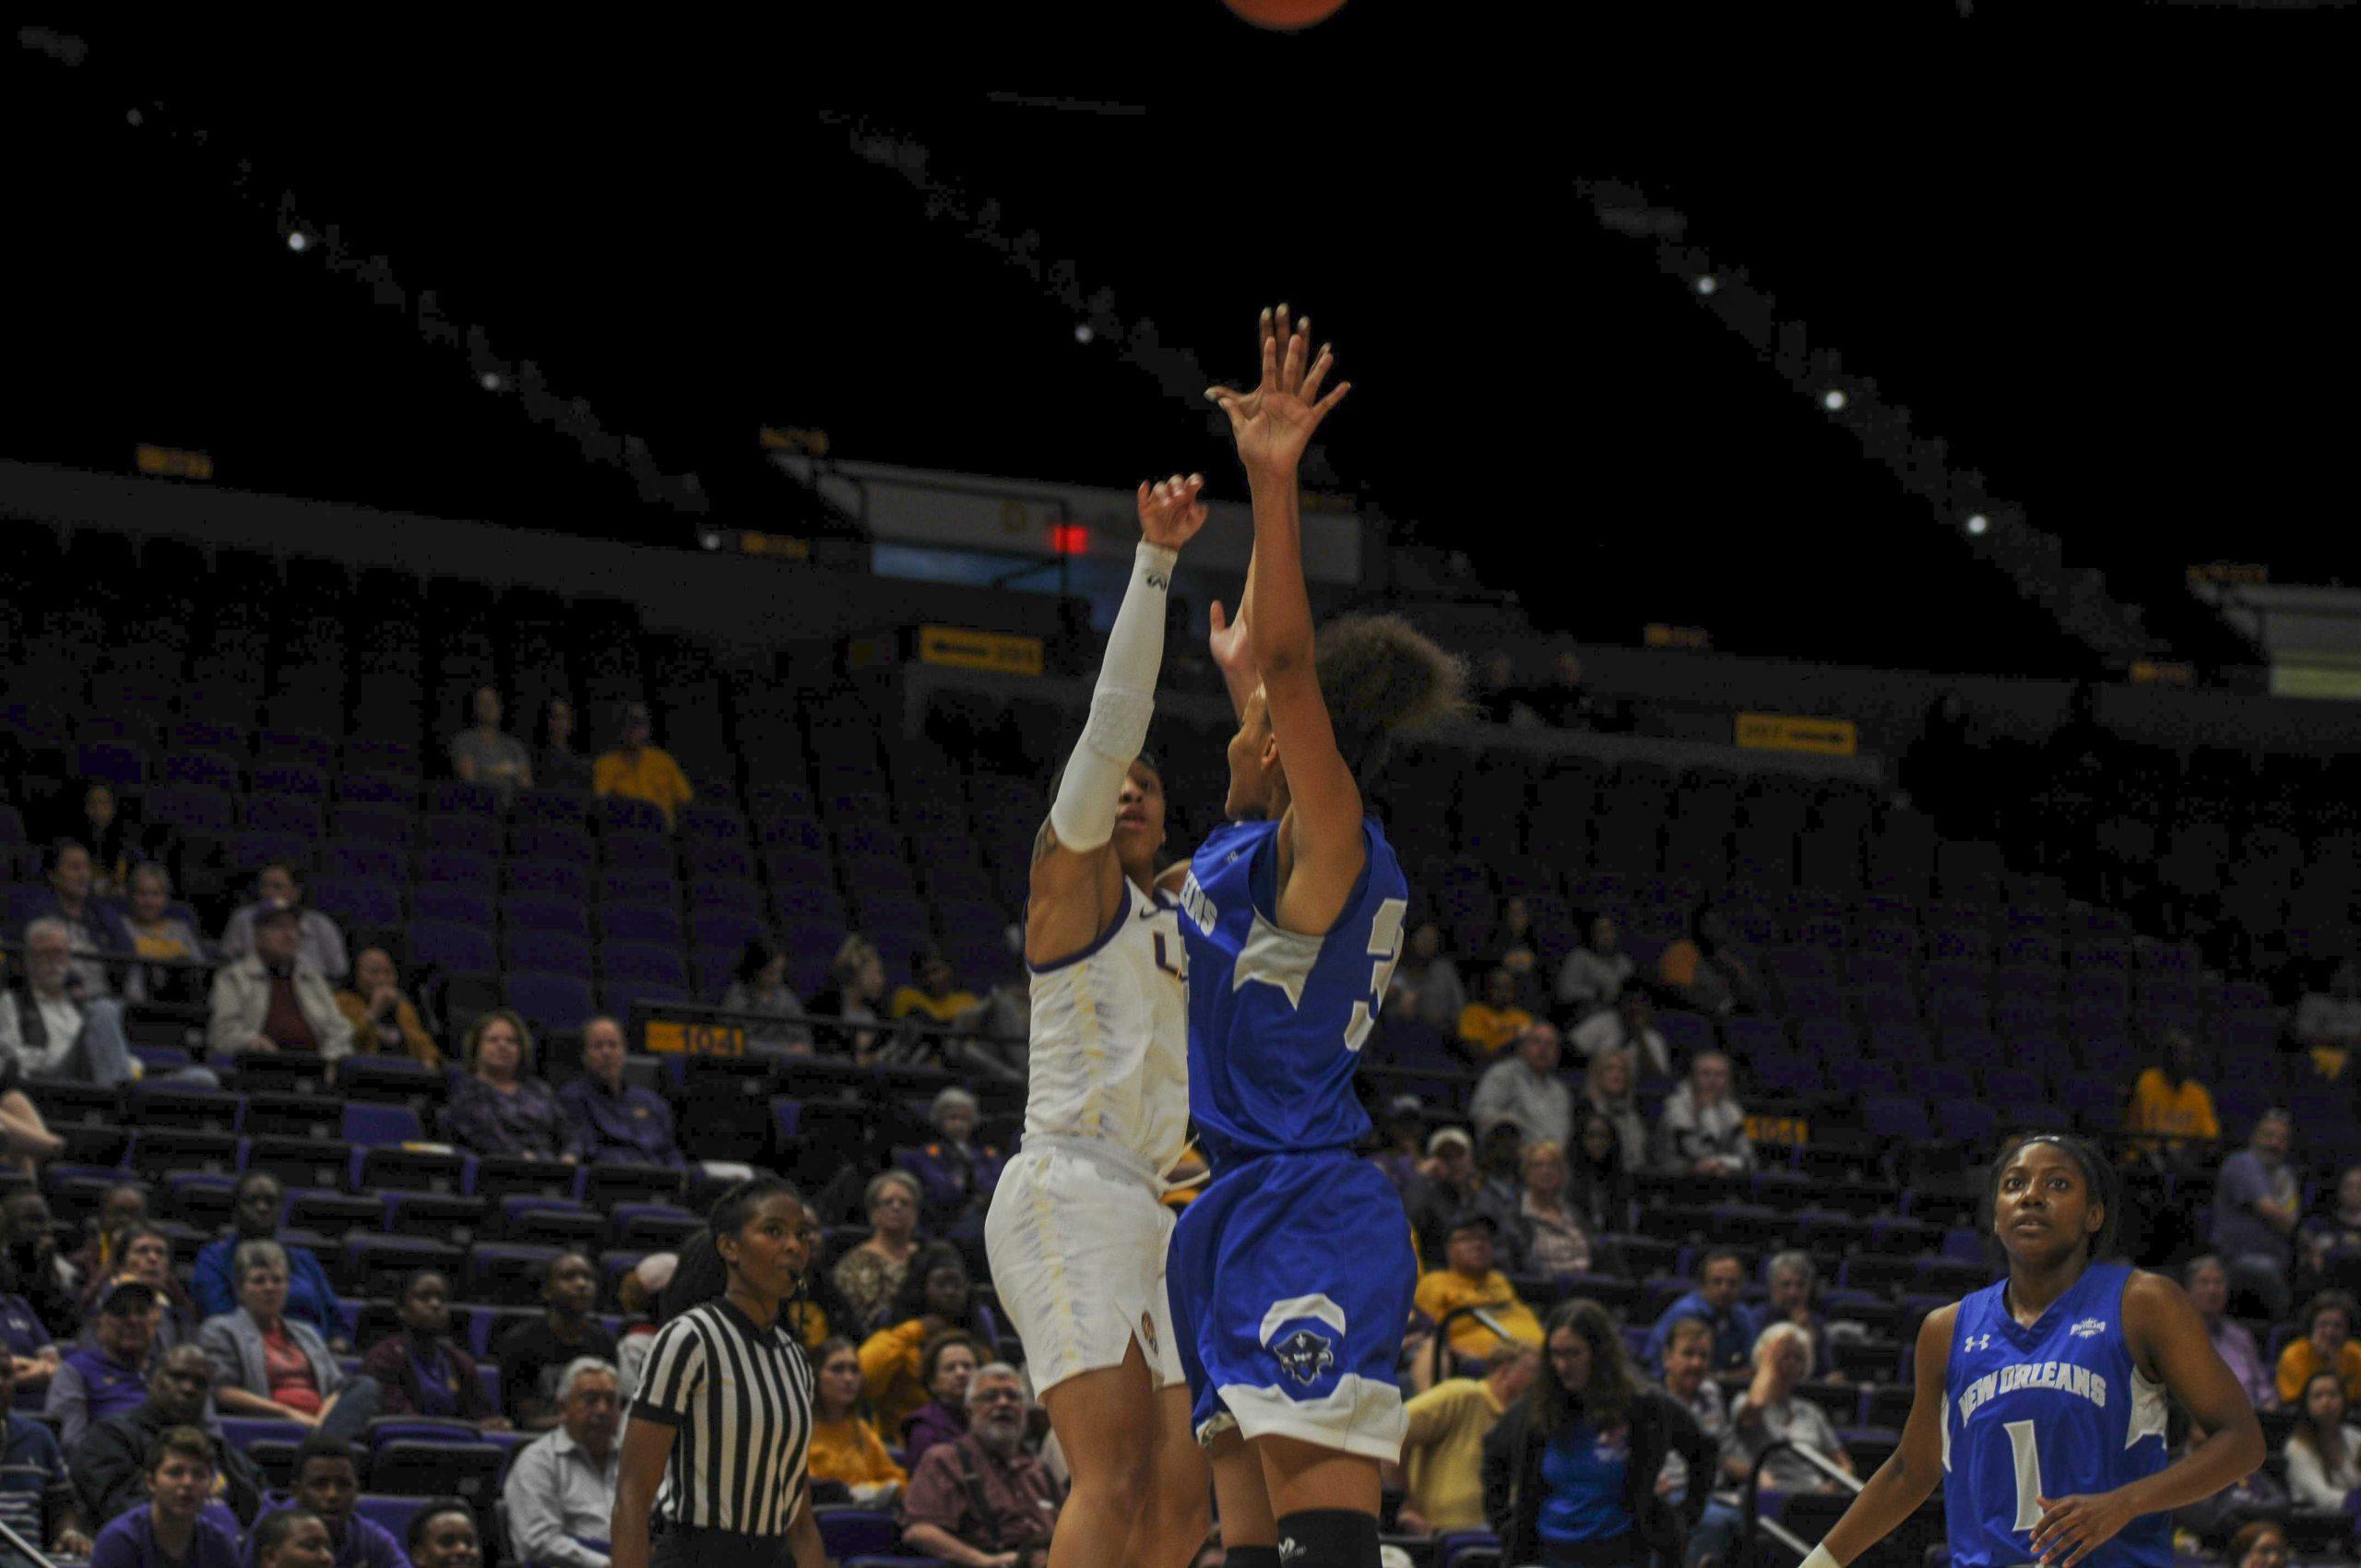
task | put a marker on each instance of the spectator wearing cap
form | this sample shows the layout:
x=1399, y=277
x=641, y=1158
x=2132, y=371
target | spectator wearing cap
x=1469, y=1280
x=144, y=1254
x=1448, y=1184
x=383, y=1021
x=639, y=769
x=275, y=998
x=1487, y=1027
x=616, y=1122
x=318, y=938
x=108, y=1375
x=956, y=1172
x=69, y=897
x=1721, y=1279
x=1525, y=1089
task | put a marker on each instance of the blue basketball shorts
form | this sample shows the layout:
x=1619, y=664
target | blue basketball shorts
x=1292, y=1277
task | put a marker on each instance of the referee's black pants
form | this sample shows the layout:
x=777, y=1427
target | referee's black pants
x=686, y=1545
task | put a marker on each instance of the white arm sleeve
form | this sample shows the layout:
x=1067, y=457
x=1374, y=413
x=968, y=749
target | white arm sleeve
x=1084, y=813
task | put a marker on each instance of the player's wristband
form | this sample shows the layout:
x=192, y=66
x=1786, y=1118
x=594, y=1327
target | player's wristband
x=1819, y=1558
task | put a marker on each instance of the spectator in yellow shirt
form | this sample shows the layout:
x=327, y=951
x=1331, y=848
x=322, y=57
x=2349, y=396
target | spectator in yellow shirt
x=936, y=994
x=2327, y=1346
x=1443, y=1454
x=641, y=770
x=1486, y=1028
x=1468, y=1279
x=2169, y=1101
x=844, y=1445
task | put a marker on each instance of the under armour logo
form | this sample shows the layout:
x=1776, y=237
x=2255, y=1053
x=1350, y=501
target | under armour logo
x=1977, y=1342
x=1289, y=1552
x=1304, y=1355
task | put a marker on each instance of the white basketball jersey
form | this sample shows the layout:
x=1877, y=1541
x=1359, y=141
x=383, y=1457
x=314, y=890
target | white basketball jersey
x=1109, y=1056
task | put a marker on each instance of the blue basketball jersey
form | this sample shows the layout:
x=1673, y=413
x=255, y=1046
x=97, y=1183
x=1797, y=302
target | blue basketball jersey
x=1276, y=1019
x=2054, y=1410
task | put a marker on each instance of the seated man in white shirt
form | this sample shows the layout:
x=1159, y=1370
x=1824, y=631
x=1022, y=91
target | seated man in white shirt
x=53, y=1033
x=561, y=1488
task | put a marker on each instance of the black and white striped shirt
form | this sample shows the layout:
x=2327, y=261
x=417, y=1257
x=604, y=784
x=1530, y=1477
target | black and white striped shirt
x=740, y=1404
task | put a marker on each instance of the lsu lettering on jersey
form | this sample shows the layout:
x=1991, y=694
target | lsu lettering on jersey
x=2054, y=1410
x=1278, y=1019
x=1109, y=1059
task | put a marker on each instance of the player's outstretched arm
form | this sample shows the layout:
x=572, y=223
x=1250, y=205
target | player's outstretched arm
x=2167, y=1339
x=1915, y=1466
x=1076, y=882
x=1272, y=427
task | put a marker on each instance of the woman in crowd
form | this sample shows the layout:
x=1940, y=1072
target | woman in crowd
x=163, y=937
x=2263, y=1544
x=422, y=1370
x=1555, y=1243
x=1609, y=1092
x=2323, y=1453
x=1571, y=1470
x=266, y=1364
x=2326, y=1344
x=123, y=1206
x=113, y=843
x=556, y=764
x=870, y=1274
x=851, y=1005
x=758, y=988
x=956, y=1172
x=1599, y=1188
x=935, y=1299
x=1594, y=974
x=1703, y=1127
x=383, y=1021
x=846, y=1448
x=498, y=1106
x=257, y=1211
x=1771, y=1411
x=1427, y=986
x=945, y=1367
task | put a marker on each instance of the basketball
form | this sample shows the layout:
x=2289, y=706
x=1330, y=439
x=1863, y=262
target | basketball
x=1284, y=15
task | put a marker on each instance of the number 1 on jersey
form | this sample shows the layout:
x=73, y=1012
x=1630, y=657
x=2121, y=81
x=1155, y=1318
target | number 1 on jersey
x=2028, y=1457
x=1385, y=946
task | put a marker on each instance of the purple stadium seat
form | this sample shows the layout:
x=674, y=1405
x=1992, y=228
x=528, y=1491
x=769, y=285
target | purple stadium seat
x=454, y=906
x=552, y=841
x=621, y=850
x=476, y=834
x=448, y=946
x=363, y=859
x=457, y=796
x=117, y=763
x=378, y=789
x=366, y=1125
x=356, y=901
x=620, y=815
x=377, y=824
x=194, y=734
x=723, y=930
x=250, y=849
x=549, y=1000
x=556, y=807
x=524, y=912
x=636, y=923
x=717, y=858
x=458, y=868
x=634, y=962
x=559, y=951
x=192, y=808
x=1899, y=1117
x=283, y=814
x=552, y=879
x=469, y=1471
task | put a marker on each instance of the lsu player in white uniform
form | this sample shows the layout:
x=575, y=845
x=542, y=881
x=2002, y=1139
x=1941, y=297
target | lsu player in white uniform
x=1077, y=1232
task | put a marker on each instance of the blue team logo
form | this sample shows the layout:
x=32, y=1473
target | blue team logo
x=1292, y=1330
x=1305, y=1355
x=2089, y=1328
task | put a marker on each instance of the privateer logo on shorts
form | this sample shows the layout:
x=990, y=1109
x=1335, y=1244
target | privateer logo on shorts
x=1305, y=1354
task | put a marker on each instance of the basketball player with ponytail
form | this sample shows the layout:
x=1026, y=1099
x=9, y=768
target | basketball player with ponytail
x=1293, y=1271
x=2041, y=1399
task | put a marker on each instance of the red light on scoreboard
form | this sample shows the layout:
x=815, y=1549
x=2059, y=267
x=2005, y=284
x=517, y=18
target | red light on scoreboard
x=1069, y=538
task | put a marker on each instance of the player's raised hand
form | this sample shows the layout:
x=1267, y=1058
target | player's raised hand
x=1273, y=423
x=1226, y=642
x=1170, y=513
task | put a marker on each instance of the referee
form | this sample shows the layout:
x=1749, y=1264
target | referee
x=713, y=1464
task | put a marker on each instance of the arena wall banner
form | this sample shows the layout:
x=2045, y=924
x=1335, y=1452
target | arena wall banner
x=962, y=649
x=1783, y=732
